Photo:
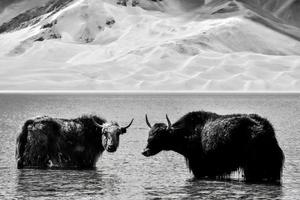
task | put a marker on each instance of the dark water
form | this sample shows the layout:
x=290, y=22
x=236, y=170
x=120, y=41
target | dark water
x=126, y=174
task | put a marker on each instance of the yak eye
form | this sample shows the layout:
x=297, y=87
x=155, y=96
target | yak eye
x=105, y=132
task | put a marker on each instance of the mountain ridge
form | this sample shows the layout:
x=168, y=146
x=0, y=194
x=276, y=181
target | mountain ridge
x=165, y=45
x=32, y=16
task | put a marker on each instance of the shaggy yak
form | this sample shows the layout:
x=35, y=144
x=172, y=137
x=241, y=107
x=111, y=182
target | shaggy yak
x=216, y=145
x=47, y=142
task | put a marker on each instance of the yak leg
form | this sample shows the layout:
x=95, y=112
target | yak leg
x=36, y=152
x=21, y=143
x=197, y=166
x=20, y=148
x=274, y=158
x=264, y=163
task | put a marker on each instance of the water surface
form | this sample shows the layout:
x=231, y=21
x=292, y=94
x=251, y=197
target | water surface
x=126, y=174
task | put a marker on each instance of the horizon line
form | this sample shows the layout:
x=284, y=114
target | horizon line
x=140, y=92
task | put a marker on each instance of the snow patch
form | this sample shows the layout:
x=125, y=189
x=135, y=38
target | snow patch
x=102, y=45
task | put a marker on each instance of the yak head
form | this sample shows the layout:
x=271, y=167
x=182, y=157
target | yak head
x=158, y=139
x=111, y=132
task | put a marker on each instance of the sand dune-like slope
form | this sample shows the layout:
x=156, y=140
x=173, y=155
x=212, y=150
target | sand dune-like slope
x=215, y=45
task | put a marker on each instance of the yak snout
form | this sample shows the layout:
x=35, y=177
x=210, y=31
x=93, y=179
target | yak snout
x=111, y=148
x=146, y=152
x=112, y=144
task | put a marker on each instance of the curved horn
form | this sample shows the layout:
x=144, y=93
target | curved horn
x=147, y=121
x=169, y=122
x=96, y=123
x=124, y=129
x=128, y=125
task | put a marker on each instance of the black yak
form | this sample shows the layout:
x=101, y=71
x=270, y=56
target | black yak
x=47, y=142
x=217, y=145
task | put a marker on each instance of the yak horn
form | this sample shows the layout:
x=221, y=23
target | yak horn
x=101, y=126
x=169, y=122
x=147, y=121
x=128, y=125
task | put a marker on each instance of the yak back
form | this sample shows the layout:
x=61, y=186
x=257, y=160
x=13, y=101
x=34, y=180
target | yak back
x=199, y=123
x=206, y=132
x=187, y=124
x=66, y=142
x=228, y=132
x=217, y=145
x=83, y=128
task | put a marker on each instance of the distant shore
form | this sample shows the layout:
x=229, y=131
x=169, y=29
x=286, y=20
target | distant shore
x=150, y=92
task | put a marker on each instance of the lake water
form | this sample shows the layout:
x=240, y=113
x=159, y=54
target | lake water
x=126, y=174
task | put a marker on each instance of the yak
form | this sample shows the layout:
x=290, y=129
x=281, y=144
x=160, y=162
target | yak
x=47, y=142
x=216, y=145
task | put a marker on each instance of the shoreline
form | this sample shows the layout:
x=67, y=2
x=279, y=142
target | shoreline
x=147, y=92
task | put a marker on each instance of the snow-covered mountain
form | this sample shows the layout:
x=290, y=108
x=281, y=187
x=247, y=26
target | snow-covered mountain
x=234, y=45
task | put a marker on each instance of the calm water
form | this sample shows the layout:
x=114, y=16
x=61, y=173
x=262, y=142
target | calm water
x=126, y=174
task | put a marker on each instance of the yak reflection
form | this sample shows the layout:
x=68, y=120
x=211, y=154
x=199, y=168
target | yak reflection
x=69, y=183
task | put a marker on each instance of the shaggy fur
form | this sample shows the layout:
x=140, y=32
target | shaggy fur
x=62, y=143
x=216, y=145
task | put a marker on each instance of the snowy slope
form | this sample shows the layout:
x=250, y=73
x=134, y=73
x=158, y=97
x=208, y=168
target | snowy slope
x=212, y=45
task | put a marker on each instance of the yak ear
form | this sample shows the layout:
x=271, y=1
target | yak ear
x=124, y=129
